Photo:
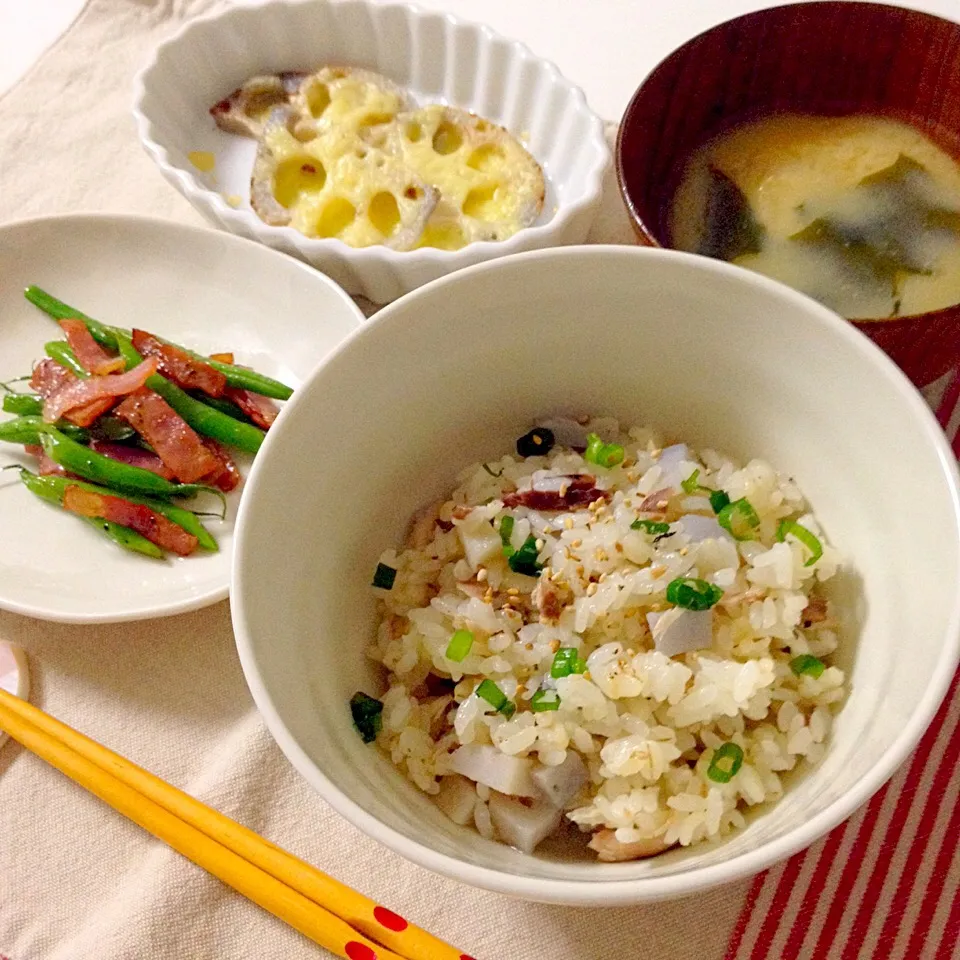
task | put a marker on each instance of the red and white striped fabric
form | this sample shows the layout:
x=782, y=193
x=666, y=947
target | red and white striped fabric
x=885, y=885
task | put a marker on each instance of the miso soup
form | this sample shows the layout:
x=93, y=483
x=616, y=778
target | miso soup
x=860, y=212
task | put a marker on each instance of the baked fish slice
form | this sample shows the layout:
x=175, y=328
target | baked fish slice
x=337, y=185
x=491, y=185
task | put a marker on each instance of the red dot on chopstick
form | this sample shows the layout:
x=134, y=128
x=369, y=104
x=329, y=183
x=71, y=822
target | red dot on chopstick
x=389, y=919
x=464, y=956
x=359, y=951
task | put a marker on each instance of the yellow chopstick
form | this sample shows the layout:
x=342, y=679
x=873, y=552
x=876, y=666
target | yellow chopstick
x=326, y=911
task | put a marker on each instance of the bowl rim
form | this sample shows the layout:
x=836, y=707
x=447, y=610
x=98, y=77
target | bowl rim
x=239, y=218
x=640, y=225
x=614, y=892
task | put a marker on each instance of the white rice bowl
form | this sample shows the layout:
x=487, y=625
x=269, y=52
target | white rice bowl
x=645, y=712
x=716, y=357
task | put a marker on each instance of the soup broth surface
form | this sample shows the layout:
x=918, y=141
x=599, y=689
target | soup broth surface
x=860, y=212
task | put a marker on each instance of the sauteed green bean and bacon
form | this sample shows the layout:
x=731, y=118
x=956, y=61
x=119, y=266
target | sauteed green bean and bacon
x=123, y=422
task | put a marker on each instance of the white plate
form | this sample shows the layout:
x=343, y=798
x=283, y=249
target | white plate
x=202, y=288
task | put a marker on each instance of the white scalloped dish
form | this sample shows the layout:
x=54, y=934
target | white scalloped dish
x=435, y=57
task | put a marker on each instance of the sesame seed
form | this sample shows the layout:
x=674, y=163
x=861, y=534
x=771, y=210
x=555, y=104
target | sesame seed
x=663, y=504
x=513, y=591
x=618, y=546
x=586, y=675
x=683, y=551
x=633, y=476
x=655, y=452
x=539, y=544
x=564, y=489
x=488, y=596
x=657, y=571
x=576, y=543
x=591, y=589
x=600, y=555
x=554, y=646
x=568, y=523
x=528, y=646
x=481, y=574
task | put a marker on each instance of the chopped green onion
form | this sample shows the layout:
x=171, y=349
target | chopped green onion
x=804, y=536
x=544, y=700
x=726, y=763
x=693, y=594
x=384, y=576
x=650, y=526
x=524, y=560
x=692, y=483
x=566, y=661
x=739, y=518
x=489, y=691
x=506, y=532
x=602, y=454
x=807, y=664
x=459, y=645
x=718, y=500
x=367, y=716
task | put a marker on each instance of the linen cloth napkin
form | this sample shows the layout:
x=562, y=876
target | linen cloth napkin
x=79, y=882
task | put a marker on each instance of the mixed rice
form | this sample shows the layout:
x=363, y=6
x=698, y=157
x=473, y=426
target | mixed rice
x=605, y=630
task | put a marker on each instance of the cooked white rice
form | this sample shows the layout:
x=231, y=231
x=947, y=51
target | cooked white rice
x=646, y=724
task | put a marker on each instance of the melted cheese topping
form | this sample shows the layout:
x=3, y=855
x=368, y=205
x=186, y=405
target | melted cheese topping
x=339, y=186
x=347, y=101
x=490, y=185
x=348, y=163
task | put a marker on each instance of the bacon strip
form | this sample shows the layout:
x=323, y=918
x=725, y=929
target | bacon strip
x=49, y=377
x=150, y=524
x=83, y=393
x=578, y=492
x=175, y=443
x=227, y=474
x=93, y=358
x=185, y=371
x=135, y=456
x=261, y=410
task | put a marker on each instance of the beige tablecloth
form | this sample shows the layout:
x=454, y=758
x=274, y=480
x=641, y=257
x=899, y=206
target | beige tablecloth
x=76, y=880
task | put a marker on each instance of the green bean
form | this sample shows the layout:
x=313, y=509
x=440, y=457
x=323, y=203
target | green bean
x=53, y=488
x=244, y=378
x=105, y=335
x=90, y=465
x=23, y=404
x=60, y=351
x=211, y=423
x=122, y=536
x=61, y=311
x=106, y=428
x=25, y=430
x=224, y=406
x=126, y=538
